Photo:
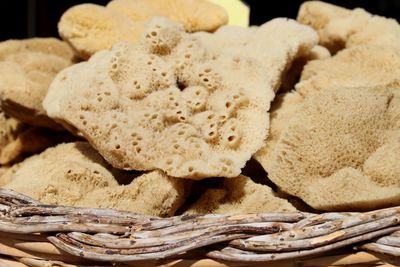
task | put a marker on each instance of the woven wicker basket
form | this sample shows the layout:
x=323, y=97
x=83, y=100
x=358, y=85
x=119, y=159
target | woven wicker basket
x=32, y=234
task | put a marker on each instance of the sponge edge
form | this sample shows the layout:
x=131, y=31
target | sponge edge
x=152, y=193
x=237, y=196
x=166, y=103
x=334, y=140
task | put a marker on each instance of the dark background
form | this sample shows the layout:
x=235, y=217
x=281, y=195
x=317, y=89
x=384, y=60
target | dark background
x=29, y=18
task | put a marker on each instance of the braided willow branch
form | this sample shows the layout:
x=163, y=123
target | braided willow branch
x=114, y=236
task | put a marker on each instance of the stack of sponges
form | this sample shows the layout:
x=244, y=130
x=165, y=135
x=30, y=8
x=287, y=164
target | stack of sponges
x=157, y=106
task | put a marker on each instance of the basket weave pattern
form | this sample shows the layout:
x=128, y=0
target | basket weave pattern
x=113, y=236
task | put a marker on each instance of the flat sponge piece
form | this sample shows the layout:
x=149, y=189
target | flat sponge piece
x=166, y=103
x=339, y=151
x=338, y=27
x=276, y=44
x=238, y=196
x=152, y=193
x=358, y=66
x=27, y=68
x=90, y=28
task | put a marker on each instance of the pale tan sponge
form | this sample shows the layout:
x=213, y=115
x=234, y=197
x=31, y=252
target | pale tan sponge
x=276, y=44
x=339, y=27
x=238, y=196
x=75, y=174
x=358, y=66
x=27, y=68
x=370, y=49
x=340, y=150
x=152, y=193
x=284, y=107
x=63, y=174
x=167, y=103
x=18, y=139
x=90, y=28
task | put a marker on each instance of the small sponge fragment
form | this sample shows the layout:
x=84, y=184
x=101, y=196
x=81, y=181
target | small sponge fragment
x=152, y=193
x=27, y=68
x=339, y=27
x=90, y=28
x=339, y=151
x=276, y=44
x=166, y=103
x=238, y=196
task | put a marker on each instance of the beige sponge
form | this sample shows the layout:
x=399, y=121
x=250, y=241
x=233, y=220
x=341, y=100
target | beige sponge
x=276, y=44
x=339, y=27
x=284, y=107
x=18, y=139
x=237, y=196
x=75, y=174
x=167, y=103
x=63, y=174
x=340, y=150
x=358, y=66
x=90, y=28
x=152, y=193
x=27, y=68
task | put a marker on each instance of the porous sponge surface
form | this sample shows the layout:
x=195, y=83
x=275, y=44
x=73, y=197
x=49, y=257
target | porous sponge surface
x=167, y=103
x=339, y=150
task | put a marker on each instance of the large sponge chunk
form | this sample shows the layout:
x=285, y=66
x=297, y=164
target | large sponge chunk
x=90, y=28
x=167, y=103
x=339, y=150
x=62, y=175
x=74, y=174
x=27, y=68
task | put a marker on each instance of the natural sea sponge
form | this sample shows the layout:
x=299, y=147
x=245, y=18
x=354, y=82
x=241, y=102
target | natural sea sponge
x=340, y=27
x=27, y=68
x=237, y=196
x=358, y=66
x=166, y=103
x=75, y=174
x=283, y=108
x=276, y=44
x=90, y=28
x=18, y=139
x=152, y=193
x=63, y=174
x=339, y=151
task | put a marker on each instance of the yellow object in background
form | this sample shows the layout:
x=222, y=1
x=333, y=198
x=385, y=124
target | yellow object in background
x=239, y=12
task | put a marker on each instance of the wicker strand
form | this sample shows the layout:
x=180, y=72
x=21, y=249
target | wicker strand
x=114, y=236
